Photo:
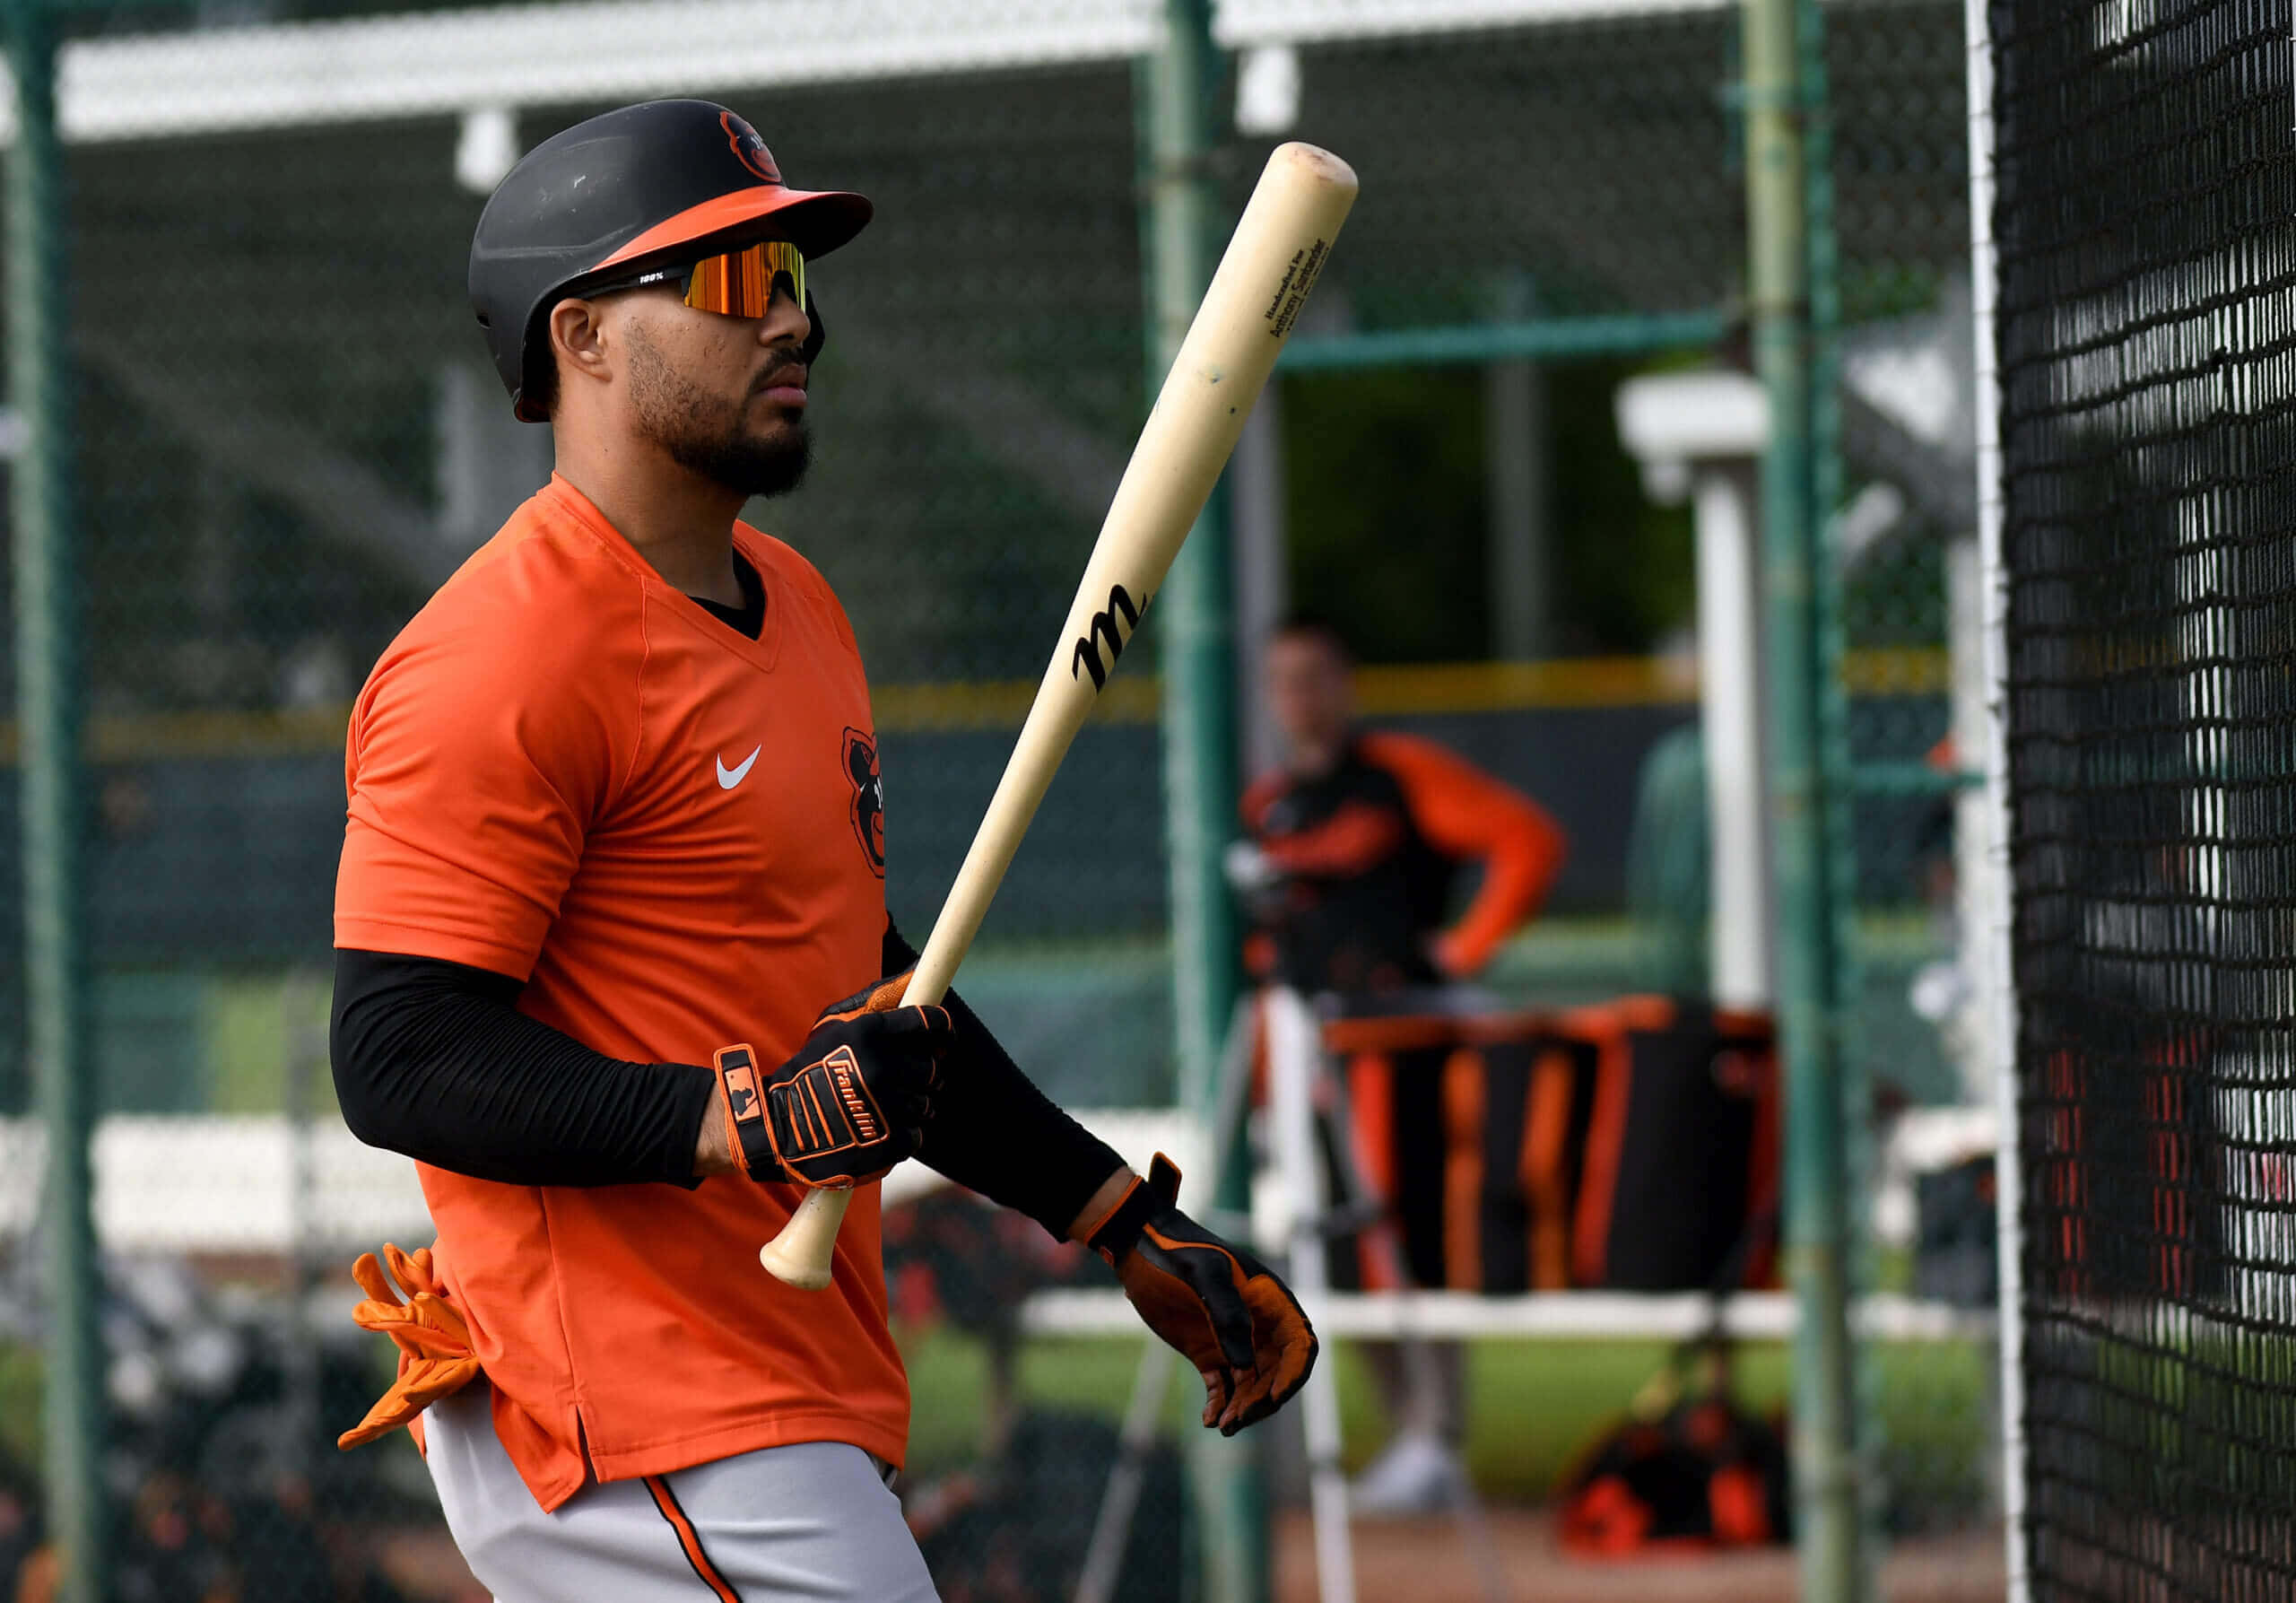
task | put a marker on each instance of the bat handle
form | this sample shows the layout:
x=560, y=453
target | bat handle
x=800, y=1255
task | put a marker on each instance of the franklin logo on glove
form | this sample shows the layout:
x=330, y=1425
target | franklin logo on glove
x=850, y=1104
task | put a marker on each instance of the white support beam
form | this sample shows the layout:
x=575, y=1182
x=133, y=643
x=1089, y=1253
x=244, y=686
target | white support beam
x=1549, y=1316
x=444, y=62
x=305, y=74
x=1742, y=939
x=1240, y=23
x=1702, y=435
x=217, y=1183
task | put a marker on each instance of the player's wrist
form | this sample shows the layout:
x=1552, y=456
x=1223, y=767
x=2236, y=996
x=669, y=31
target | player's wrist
x=1142, y=1199
x=1102, y=1204
x=714, y=1152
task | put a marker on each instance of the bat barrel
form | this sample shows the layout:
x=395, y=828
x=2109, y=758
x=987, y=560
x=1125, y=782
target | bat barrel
x=1272, y=262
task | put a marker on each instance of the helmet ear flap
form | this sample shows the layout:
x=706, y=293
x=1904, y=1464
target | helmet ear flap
x=812, y=349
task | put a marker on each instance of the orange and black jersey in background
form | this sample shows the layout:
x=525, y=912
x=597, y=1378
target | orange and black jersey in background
x=1367, y=855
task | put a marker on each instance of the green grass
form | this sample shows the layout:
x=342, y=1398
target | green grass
x=251, y=1024
x=20, y=1406
x=1532, y=1405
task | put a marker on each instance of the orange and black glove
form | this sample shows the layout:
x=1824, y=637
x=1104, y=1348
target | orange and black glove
x=850, y=1104
x=434, y=1356
x=1219, y=1306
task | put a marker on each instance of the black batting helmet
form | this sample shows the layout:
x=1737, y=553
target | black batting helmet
x=635, y=188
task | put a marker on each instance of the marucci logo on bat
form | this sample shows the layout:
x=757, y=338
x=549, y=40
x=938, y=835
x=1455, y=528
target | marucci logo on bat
x=1103, y=626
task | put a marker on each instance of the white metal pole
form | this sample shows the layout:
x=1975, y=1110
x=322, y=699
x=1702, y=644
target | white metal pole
x=1743, y=964
x=1152, y=1382
x=1993, y=964
x=1703, y=435
x=1294, y=1059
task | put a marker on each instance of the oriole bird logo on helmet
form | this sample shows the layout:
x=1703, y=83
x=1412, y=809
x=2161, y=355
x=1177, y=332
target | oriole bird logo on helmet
x=649, y=184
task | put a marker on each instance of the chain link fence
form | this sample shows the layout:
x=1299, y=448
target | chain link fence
x=288, y=435
x=1905, y=616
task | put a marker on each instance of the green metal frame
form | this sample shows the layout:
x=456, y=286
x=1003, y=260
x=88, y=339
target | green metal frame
x=1911, y=779
x=1475, y=344
x=49, y=695
x=1792, y=308
x=1842, y=784
x=1180, y=220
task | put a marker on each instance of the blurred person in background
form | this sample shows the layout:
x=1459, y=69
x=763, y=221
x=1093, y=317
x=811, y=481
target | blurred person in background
x=1356, y=842
x=1354, y=848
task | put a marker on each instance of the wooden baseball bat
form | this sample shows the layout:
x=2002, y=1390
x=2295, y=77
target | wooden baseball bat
x=1280, y=246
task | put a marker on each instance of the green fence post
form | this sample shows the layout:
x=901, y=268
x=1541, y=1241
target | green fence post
x=1198, y=658
x=1825, y=1466
x=48, y=682
x=1852, y=1217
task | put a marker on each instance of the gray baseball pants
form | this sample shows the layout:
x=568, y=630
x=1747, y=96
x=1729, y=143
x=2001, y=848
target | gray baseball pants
x=813, y=1522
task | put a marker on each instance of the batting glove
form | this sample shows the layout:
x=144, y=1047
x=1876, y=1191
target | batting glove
x=850, y=1104
x=434, y=1356
x=1219, y=1306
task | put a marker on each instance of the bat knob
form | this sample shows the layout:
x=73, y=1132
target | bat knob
x=801, y=1254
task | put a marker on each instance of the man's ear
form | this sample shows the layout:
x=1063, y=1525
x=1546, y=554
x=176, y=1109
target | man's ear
x=577, y=340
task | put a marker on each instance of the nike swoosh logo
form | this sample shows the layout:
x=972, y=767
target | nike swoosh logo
x=728, y=778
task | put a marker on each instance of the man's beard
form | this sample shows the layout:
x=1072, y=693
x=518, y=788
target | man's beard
x=707, y=433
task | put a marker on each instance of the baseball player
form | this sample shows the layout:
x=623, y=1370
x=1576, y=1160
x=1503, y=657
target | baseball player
x=615, y=851
x=1355, y=846
x=1355, y=841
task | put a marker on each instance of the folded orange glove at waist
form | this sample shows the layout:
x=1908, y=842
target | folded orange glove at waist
x=434, y=1356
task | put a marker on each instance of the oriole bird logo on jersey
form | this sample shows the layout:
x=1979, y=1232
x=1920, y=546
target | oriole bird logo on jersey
x=868, y=797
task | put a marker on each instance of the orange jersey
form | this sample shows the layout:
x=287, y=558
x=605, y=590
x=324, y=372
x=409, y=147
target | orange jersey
x=565, y=771
x=1370, y=847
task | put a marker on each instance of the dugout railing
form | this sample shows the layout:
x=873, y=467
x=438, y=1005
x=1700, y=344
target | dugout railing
x=1293, y=1051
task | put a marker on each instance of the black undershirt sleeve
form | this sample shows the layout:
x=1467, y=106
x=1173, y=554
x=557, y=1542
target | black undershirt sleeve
x=994, y=1132
x=433, y=1059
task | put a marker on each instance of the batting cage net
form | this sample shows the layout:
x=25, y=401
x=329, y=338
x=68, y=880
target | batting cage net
x=287, y=435
x=2146, y=179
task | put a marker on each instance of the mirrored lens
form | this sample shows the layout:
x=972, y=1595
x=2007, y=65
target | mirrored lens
x=740, y=282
